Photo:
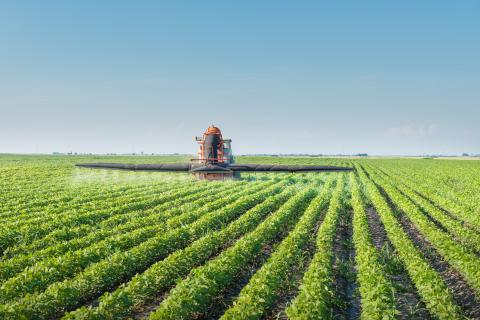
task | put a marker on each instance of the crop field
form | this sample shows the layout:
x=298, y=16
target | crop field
x=393, y=239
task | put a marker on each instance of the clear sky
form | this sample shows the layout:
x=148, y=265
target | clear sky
x=382, y=77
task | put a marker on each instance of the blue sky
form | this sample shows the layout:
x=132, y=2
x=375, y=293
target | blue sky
x=380, y=77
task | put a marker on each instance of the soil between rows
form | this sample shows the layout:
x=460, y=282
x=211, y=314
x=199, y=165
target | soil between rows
x=439, y=207
x=225, y=299
x=292, y=288
x=347, y=305
x=462, y=293
x=407, y=300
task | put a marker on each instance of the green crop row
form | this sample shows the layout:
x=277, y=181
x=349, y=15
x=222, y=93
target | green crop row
x=377, y=292
x=62, y=236
x=455, y=184
x=439, y=194
x=123, y=301
x=137, y=220
x=264, y=287
x=24, y=200
x=460, y=257
x=194, y=294
x=457, y=181
x=37, y=277
x=70, y=293
x=467, y=236
x=25, y=234
x=25, y=220
x=428, y=282
x=442, y=195
x=78, y=200
x=316, y=294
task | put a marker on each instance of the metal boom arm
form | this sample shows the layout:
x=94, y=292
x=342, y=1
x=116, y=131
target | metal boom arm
x=178, y=167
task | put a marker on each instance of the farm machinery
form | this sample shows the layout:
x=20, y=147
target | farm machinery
x=215, y=161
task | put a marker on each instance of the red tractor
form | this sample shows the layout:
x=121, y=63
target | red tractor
x=215, y=161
